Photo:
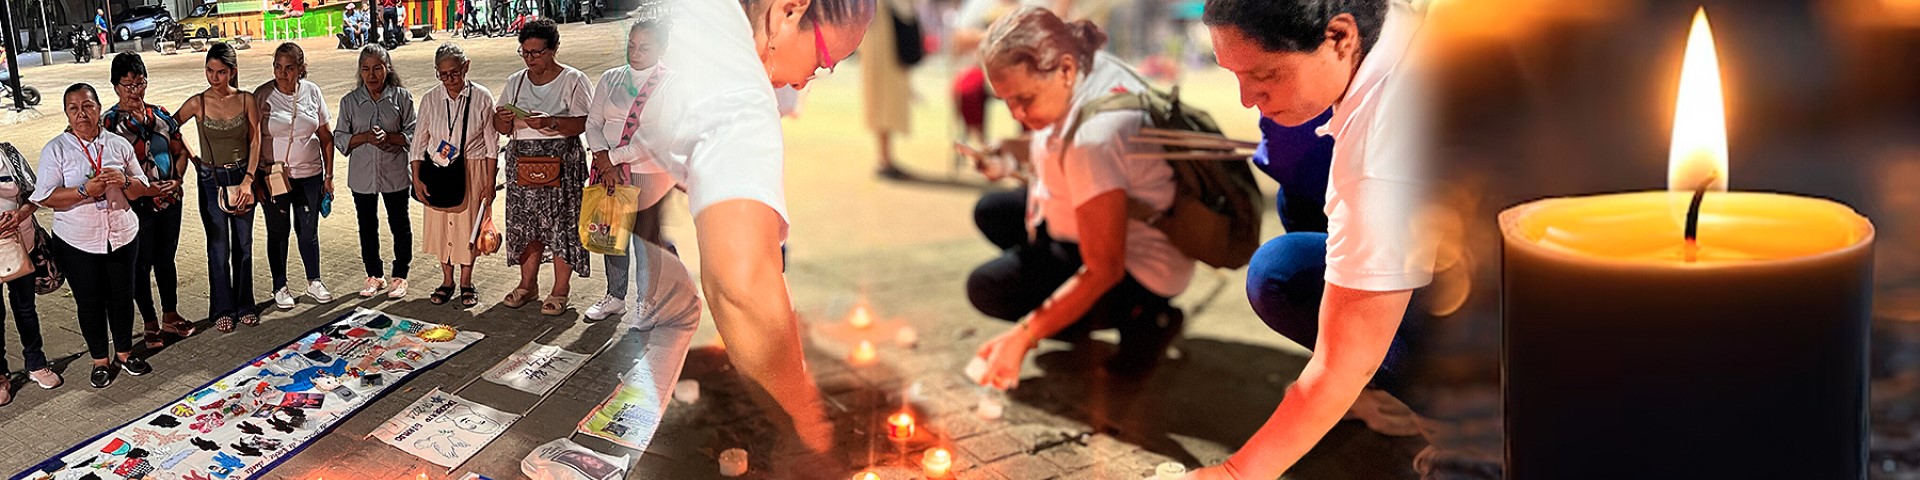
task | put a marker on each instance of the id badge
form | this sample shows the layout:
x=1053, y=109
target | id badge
x=447, y=152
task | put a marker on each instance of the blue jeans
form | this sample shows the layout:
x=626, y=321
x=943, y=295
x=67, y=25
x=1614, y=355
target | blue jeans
x=1284, y=283
x=26, y=319
x=229, y=252
x=646, y=229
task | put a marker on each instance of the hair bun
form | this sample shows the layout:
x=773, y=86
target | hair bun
x=1091, y=38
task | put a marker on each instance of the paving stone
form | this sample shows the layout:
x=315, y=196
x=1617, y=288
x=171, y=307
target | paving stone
x=991, y=447
x=1025, y=467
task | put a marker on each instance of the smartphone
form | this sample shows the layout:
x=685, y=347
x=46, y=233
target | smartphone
x=971, y=153
x=517, y=111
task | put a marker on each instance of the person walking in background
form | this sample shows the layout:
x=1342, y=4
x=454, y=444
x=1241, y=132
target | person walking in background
x=163, y=156
x=456, y=130
x=297, y=138
x=88, y=180
x=886, y=86
x=376, y=126
x=543, y=212
x=620, y=156
x=18, y=227
x=100, y=25
x=229, y=123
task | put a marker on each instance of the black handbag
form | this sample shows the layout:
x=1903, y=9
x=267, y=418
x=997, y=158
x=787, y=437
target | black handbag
x=447, y=186
x=47, y=277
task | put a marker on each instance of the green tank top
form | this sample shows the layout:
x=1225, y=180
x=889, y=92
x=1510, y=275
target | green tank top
x=224, y=143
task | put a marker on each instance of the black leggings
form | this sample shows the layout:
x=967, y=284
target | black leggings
x=366, y=205
x=102, y=293
x=1028, y=272
x=154, y=263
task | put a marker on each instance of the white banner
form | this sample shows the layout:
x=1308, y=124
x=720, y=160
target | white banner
x=536, y=368
x=445, y=429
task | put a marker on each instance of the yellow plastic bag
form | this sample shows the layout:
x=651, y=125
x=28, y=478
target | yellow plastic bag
x=606, y=219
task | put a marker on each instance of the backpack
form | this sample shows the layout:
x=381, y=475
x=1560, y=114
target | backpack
x=909, y=44
x=1217, y=206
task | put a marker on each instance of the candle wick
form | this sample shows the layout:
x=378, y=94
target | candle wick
x=1693, y=218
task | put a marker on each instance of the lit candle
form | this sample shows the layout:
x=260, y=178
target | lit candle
x=936, y=462
x=900, y=427
x=733, y=462
x=861, y=318
x=862, y=354
x=866, y=476
x=1714, y=334
x=1169, y=471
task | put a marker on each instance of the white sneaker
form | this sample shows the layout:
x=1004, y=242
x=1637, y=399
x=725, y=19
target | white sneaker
x=283, y=299
x=399, y=290
x=374, y=286
x=607, y=306
x=1384, y=414
x=318, y=292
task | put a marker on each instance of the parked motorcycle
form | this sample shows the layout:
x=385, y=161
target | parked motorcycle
x=82, y=45
x=28, y=94
x=591, y=10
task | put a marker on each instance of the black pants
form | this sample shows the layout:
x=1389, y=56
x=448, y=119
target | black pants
x=154, y=262
x=1028, y=272
x=103, y=293
x=366, y=206
x=296, y=213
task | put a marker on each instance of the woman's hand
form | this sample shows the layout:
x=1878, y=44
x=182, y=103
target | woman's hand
x=540, y=121
x=243, y=199
x=609, y=174
x=419, y=190
x=10, y=222
x=97, y=186
x=329, y=185
x=1004, y=354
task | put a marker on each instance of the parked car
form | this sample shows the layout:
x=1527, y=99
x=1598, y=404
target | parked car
x=139, y=22
x=200, y=21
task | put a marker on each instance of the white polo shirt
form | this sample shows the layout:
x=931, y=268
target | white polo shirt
x=97, y=227
x=1378, y=181
x=719, y=136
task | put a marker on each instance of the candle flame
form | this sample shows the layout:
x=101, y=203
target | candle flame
x=1699, y=149
x=861, y=317
x=867, y=476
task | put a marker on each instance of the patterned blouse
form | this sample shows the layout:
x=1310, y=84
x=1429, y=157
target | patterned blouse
x=152, y=141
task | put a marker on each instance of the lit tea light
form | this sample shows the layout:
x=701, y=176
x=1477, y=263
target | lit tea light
x=1169, y=471
x=900, y=427
x=936, y=462
x=866, y=476
x=863, y=354
x=733, y=462
x=861, y=317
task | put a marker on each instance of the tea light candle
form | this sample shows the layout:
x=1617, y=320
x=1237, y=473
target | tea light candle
x=936, y=462
x=687, y=391
x=990, y=408
x=900, y=427
x=861, y=317
x=733, y=462
x=1169, y=471
x=866, y=476
x=1738, y=335
x=863, y=353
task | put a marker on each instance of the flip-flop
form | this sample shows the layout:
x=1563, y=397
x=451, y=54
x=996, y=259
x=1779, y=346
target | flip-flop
x=251, y=320
x=554, y=305
x=152, y=335
x=172, y=323
x=440, y=295
x=224, y=324
x=469, y=297
x=517, y=298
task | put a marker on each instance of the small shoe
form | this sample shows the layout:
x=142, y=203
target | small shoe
x=102, y=376
x=250, y=319
x=607, y=306
x=318, y=292
x=46, y=378
x=440, y=295
x=152, y=335
x=469, y=297
x=224, y=324
x=374, y=286
x=283, y=298
x=517, y=298
x=399, y=290
x=175, y=324
x=136, y=366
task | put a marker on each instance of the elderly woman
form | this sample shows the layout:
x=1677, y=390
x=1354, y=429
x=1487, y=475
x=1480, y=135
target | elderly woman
x=163, y=155
x=297, y=137
x=456, y=131
x=89, y=180
x=620, y=156
x=1088, y=265
x=229, y=123
x=376, y=127
x=548, y=165
x=18, y=227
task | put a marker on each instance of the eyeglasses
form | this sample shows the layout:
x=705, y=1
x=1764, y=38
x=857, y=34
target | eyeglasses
x=533, y=53
x=826, y=60
x=133, y=86
x=450, y=74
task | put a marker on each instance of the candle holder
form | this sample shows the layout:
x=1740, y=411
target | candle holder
x=863, y=354
x=936, y=462
x=733, y=462
x=900, y=427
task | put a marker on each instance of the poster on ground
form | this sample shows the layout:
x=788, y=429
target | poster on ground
x=444, y=429
x=536, y=368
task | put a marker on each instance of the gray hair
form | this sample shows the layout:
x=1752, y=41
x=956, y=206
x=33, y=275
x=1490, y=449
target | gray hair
x=376, y=51
x=449, y=51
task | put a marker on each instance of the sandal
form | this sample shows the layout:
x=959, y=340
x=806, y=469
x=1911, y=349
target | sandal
x=224, y=324
x=517, y=298
x=152, y=335
x=173, y=323
x=469, y=297
x=440, y=295
x=554, y=305
x=251, y=320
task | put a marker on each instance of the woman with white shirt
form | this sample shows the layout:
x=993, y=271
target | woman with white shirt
x=297, y=137
x=543, y=213
x=88, y=180
x=620, y=156
x=719, y=139
x=17, y=226
x=1088, y=264
x=456, y=131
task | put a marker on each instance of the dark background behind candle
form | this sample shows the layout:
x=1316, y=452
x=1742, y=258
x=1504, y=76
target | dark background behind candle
x=1823, y=100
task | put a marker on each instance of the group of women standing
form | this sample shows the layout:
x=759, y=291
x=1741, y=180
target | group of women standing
x=117, y=199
